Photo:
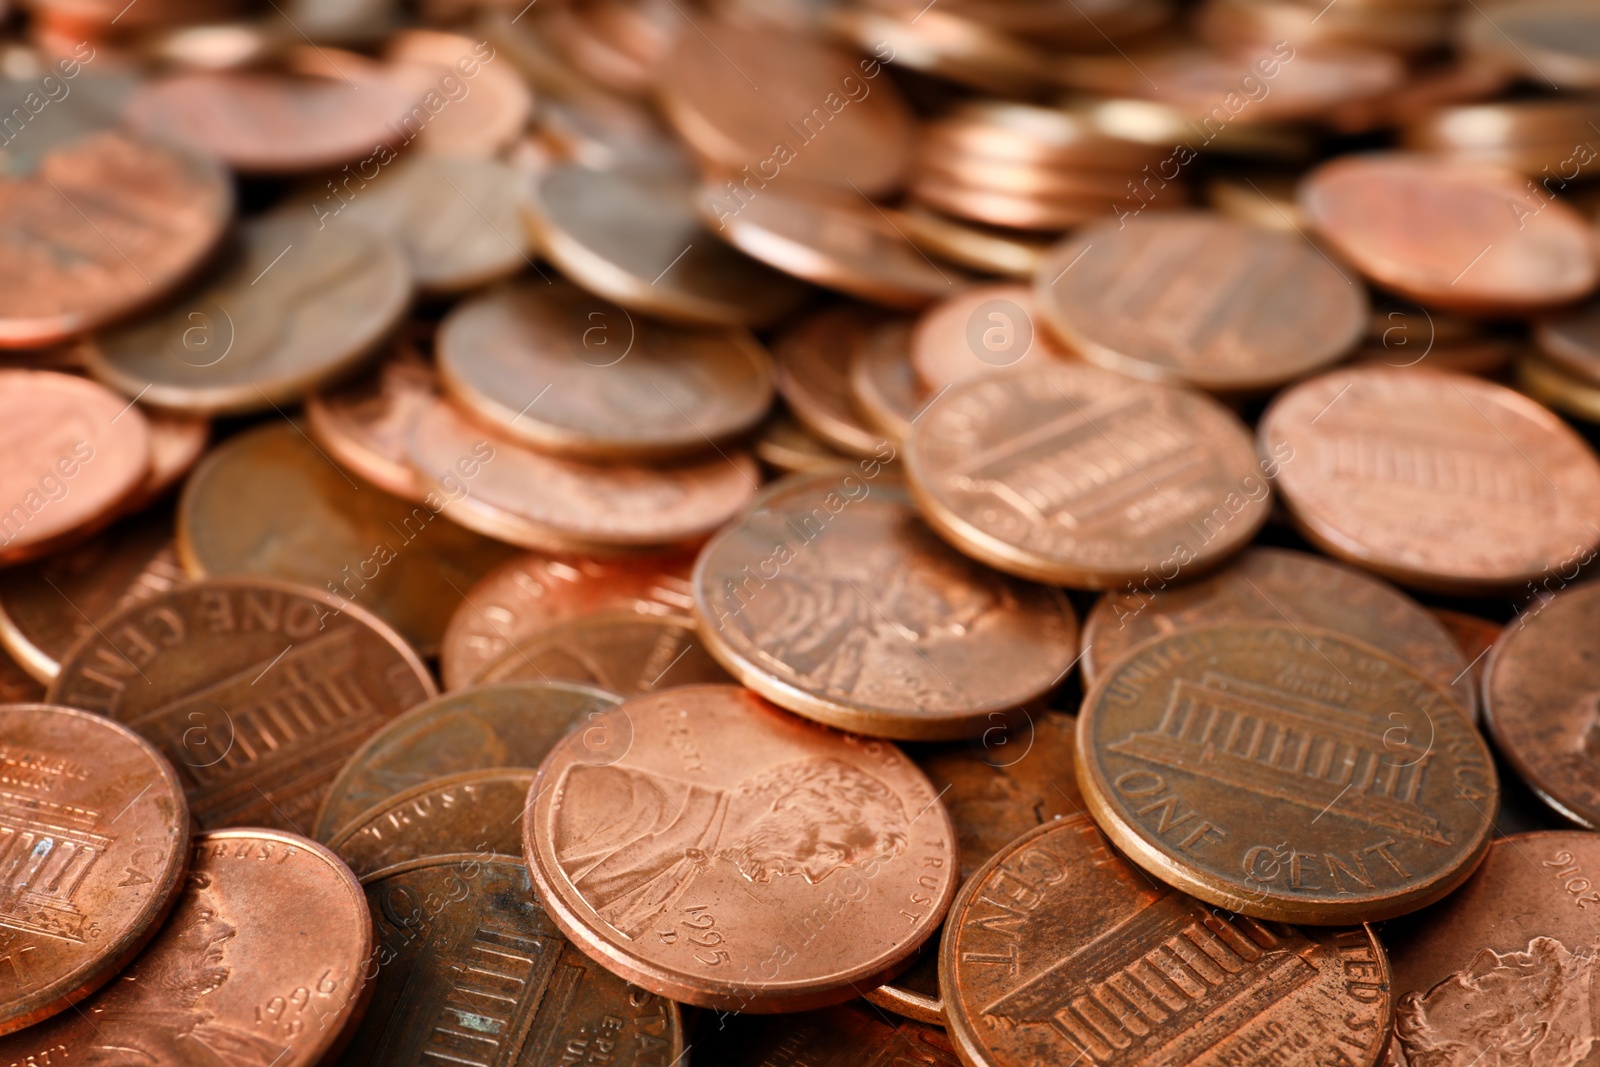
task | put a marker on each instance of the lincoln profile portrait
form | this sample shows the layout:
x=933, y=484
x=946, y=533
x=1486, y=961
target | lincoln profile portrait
x=632, y=842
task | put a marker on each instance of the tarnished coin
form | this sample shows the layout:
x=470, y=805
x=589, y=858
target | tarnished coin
x=490, y=726
x=47, y=606
x=558, y=505
x=618, y=388
x=1286, y=772
x=1442, y=481
x=292, y=307
x=470, y=970
x=980, y=332
x=1540, y=693
x=1450, y=234
x=62, y=275
x=1556, y=42
x=1080, y=476
x=263, y=960
x=474, y=811
x=814, y=359
x=1201, y=299
x=1061, y=951
x=830, y=597
x=257, y=690
x=627, y=654
x=92, y=854
x=633, y=236
x=363, y=424
x=845, y=1035
x=883, y=384
x=1278, y=585
x=74, y=452
x=801, y=865
x=268, y=502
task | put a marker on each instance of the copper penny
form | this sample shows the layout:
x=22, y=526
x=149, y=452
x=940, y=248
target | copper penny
x=1059, y=951
x=263, y=960
x=788, y=447
x=950, y=47
x=814, y=360
x=560, y=505
x=257, y=690
x=490, y=726
x=177, y=442
x=991, y=207
x=292, y=307
x=1201, y=299
x=1080, y=476
x=47, y=606
x=973, y=245
x=95, y=843
x=782, y=104
x=830, y=597
x=634, y=237
x=883, y=383
x=363, y=423
x=1278, y=585
x=1554, y=41
x=471, y=105
x=473, y=811
x=983, y=331
x=627, y=654
x=267, y=502
x=1008, y=132
x=1571, y=340
x=1286, y=772
x=801, y=864
x=1555, y=388
x=1450, y=234
x=100, y=226
x=470, y=970
x=1443, y=481
x=533, y=592
x=74, y=452
x=845, y=1035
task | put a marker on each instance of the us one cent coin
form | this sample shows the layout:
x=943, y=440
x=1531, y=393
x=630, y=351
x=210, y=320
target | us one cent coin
x=95, y=843
x=788, y=447
x=75, y=451
x=491, y=726
x=474, y=811
x=362, y=424
x=177, y=442
x=263, y=960
x=1287, y=773
x=1539, y=691
x=802, y=864
x=269, y=502
x=1080, y=476
x=830, y=597
x=845, y=1035
x=1443, y=481
x=883, y=384
x=163, y=208
x=1279, y=585
x=1059, y=950
x=470, y=969
x=982, y=331
x=1458, y=236
x=569, y=375
x=1202, y=299
x=257, y=690
x=815, y=358
x=292, y=307
x=990, y=250
x=489, y=103
x=627, y=654
x=534, y=592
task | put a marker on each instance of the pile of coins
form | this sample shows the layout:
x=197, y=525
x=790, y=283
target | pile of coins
x=828, y=532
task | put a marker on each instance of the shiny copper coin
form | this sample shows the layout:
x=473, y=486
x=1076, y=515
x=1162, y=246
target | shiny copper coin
x=363, y=424
x=294, y=306
x=991, y=250
x=1080, y=476
x=176, y=443
x=830, y=597
x=1017, y=133
x=263, y=960
x=470, y=969
x=255, y=689
x=789, y=842
x=1467, y=238
x=991, y=207
x=983, y=331
x=747, y=96
x=101, y=226
x=788, y=447
x=627, y=654
x=814, y=360
x=558, y=505
x=1277, y=585
x=1200, y=299
x=846, y=1035
x=634, y=237
x=883, y=383
x=1061, y=951
x=74, y=453
x=268, y=502
x=950, y=47
x=1555, y=388
x=1286, y=772
x=490, y=726
x=619, y=388
x=475, y=104
x=1443, y=481
x=533, y=592
x=473, y=811
x=1571, y=341
x=95, y=843
x=45, y=607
